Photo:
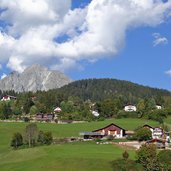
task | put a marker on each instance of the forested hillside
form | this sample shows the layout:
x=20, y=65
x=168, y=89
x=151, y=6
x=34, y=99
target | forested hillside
x=78, y=99
x=98, y=89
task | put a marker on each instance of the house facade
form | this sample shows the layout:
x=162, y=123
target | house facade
x=157, y=132
x=158, y=107
x=112, y=129
x=130, y=108
x=44, y=117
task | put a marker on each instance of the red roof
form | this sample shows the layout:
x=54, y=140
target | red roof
x=108, y=126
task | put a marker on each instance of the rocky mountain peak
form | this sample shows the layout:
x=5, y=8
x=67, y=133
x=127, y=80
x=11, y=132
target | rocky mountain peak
x=33, y=78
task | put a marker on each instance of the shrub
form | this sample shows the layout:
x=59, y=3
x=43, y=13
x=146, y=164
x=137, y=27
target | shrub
x=143, y=134
x=17, y=140
x=147, y=157
x=164, y=157
x=45, y=137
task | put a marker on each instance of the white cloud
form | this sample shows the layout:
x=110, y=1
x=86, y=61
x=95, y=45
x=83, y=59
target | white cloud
x=168, y=72
x=159, y=40
x=93, y=32
x=27, y=14
x=3, y=76
x=15, y=63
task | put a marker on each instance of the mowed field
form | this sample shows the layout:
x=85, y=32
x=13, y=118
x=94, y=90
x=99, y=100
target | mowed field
x=81, y=156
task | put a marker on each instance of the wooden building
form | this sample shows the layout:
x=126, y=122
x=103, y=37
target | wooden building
x=112, y=129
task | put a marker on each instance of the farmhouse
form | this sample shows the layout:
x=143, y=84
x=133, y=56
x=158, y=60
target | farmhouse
x=130, y=108
x=111, y=129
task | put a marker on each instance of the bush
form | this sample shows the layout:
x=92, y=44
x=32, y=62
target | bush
x=164, y=157
x=26, y=119
x=41, y=137
x=17, y=140
x=147, y=157
x=45, y=137
x=126, y=165
x=48, y=138
x=143, y=134
x=123, y=114
x=125, y=155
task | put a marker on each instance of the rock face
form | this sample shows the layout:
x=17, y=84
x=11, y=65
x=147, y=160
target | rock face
x=34, y=78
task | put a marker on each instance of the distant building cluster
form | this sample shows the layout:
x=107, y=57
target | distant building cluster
x=159, y=136
x=133, y=108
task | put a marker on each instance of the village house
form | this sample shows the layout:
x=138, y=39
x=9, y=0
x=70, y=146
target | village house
x=45, y=117
x=130, y=108
x=95, y=113
x=112, y=129
x=158, y=107
x=57, y=110
x=157, y=132
x=8, y=98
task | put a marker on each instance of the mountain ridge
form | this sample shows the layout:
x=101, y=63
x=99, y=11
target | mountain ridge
x=34, y=78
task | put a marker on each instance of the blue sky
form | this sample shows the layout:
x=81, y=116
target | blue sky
x=90, y=39
x=139, y=61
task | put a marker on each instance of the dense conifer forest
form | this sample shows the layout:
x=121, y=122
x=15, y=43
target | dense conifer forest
x=99, y=89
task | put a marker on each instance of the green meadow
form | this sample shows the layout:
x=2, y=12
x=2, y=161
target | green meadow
x=81, y=156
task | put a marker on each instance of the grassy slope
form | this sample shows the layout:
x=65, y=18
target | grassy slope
x=69, y=157
x=167, y=121
x=85, y=156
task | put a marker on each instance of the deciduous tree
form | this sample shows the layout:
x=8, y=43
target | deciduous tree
x=147, y=157
x=143, y=134
x=31, y=134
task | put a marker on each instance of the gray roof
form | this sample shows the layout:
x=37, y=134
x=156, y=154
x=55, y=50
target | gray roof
x=91, y=133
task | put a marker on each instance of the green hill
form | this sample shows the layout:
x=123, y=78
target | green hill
x=98, y=89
